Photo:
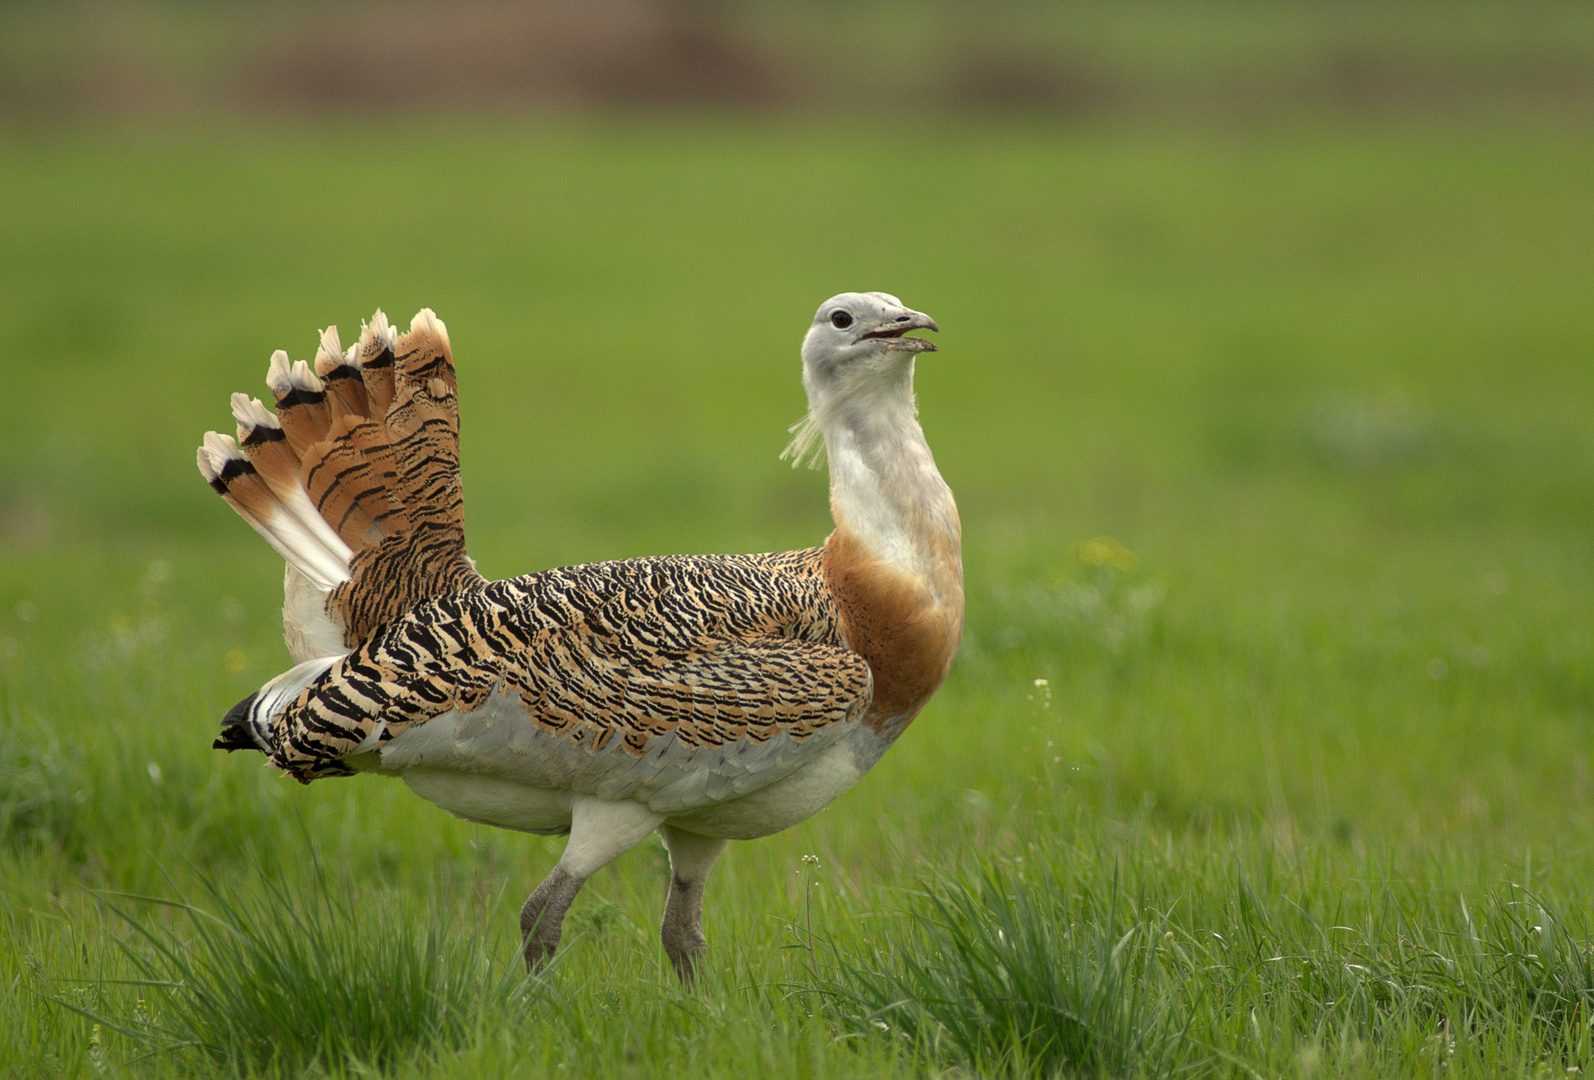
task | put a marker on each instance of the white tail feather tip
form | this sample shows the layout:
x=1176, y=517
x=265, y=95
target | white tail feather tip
x=252, y=413
x=330, y=354
x=279, y=379
x=222, y=448
x=302, y=378
x=426, y=319
x=377, y=331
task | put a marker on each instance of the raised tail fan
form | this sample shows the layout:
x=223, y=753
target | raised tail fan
x=354, y=480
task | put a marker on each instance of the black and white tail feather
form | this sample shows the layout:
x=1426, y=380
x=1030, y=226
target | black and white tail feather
x=247, y=725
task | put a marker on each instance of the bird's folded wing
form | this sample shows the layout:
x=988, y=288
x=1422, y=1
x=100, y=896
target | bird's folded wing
x=678, y=735
x=604, y=680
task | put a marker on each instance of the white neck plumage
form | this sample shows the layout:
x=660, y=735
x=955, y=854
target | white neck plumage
x=885, y=491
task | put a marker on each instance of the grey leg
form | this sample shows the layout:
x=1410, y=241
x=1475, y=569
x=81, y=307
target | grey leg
x=543, y=917
x=600, y=832
x=691, y=858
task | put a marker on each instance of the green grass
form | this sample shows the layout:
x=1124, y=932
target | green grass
x=1012, y=977
x=279, y=979
x=1096, y=957
x=1315, y=731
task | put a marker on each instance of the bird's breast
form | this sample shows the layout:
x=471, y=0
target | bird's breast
x=906, y=622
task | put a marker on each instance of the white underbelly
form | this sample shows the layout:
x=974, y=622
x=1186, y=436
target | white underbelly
x=783, y=803
x=436, y=764
x=491, y=800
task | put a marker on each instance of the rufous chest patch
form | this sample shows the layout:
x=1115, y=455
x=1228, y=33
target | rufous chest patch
x=898, y=624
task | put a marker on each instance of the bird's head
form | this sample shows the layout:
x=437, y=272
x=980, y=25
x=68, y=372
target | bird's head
x=857, y=357
x=860, y=336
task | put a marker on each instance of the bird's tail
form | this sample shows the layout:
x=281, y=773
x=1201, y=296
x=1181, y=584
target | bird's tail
x=247, y=725
x=354, y=480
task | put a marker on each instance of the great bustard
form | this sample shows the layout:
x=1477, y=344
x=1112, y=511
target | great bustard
x=712, y=697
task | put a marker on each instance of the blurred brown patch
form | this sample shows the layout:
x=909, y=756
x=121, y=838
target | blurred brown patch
x=25, y=524
x=158, y=57
x=1008, y=78
x=1364, y=78
x=605, y=52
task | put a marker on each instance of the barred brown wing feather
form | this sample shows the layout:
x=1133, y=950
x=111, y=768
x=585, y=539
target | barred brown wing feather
x=712, y=727
x=679, y=678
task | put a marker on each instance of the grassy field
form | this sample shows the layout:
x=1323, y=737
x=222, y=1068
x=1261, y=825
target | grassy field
x=1275, y=459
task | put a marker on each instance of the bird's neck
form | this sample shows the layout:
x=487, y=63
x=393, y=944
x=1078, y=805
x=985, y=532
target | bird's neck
x=894, y=563
x=885, y=492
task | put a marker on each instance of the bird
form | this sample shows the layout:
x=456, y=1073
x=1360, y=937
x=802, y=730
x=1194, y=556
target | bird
x=707, y=698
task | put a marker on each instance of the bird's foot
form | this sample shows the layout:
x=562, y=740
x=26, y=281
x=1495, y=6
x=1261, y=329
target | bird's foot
x=543, y=916
x=686, y=953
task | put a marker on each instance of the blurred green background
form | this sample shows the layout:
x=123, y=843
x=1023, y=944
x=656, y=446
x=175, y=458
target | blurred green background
x=1292, y=302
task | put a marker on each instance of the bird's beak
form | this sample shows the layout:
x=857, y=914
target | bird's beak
x=892, y=333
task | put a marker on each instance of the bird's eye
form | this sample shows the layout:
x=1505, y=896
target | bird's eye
x=840, y=320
